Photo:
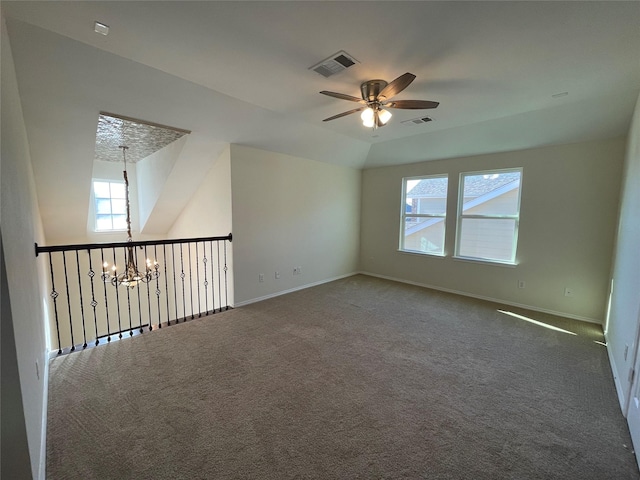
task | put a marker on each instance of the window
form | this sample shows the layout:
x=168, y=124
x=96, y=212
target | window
x=488, y=215
x=424, y=207
x=110, y=205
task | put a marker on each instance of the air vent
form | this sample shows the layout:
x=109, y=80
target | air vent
x=336, y=63
x=417, y=121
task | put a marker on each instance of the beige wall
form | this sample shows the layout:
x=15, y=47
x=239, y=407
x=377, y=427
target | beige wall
x=21, y=227
x=567, y=224
x=153, y=172
x=289, y=212
x=208, y=213
x=624, y=316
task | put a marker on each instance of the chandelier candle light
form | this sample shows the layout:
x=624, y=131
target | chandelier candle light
x=131, y=275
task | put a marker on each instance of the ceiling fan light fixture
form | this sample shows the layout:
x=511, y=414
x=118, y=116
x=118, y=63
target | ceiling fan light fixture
x=368, y=117
x=384, y=116
x=375, y=95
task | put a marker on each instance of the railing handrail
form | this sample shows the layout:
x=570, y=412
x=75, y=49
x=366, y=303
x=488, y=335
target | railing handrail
x=92, y=246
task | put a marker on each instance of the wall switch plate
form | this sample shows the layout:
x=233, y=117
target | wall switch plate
x=568, y=292
x=261, y=277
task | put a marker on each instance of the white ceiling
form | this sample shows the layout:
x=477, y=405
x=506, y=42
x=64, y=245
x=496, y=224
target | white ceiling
x=237, y=72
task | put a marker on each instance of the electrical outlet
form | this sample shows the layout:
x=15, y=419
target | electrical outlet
x=277, y=275
x=299, y=270
x=521, y=284
x=568, y=292
x=261, y=277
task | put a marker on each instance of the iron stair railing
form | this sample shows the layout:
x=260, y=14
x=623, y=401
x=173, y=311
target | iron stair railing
x=188, y=278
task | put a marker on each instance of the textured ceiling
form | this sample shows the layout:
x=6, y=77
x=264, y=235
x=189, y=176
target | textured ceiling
x=141, y=137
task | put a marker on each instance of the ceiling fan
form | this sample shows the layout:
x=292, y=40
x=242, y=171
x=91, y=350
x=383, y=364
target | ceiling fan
x=375, y=98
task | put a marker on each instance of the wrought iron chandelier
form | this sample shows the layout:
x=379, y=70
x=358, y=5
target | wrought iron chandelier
x=131, y=275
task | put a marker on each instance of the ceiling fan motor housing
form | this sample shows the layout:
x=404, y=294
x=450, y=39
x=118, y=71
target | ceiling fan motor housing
x=371, y=89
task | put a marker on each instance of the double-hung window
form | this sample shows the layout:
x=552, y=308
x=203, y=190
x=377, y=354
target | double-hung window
x=488, y=215
x=423, y=215
x=110, y=205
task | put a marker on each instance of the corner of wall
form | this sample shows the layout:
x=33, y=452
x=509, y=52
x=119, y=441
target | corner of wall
x=22, y=226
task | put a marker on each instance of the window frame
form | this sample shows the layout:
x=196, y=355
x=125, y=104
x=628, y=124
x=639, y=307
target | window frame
x=111, y=199
x=404, y=215
x=461, y=216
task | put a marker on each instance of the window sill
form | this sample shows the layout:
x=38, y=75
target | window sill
x=422, y=254
x=483, y=261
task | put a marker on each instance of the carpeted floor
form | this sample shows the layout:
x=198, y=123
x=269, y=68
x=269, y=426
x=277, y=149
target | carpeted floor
x=358, y=378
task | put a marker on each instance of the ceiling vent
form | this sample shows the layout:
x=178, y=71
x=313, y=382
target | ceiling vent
x=336, y=63
x=417, y=121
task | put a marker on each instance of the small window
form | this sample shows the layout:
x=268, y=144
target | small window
x=110, y=205
x=488, y=215
x=424, y=207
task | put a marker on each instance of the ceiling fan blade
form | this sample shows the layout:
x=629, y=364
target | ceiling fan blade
x=395, y=87
x=412, y=104
x=342, y=96
x=344, y=114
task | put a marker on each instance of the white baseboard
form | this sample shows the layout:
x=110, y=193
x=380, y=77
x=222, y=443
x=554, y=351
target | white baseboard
x=622, y=398
x=42, y=474
x=291, y=290
x=490, y=299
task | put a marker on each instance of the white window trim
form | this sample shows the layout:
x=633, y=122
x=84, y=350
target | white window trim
x=461, y=216
x=403, y=215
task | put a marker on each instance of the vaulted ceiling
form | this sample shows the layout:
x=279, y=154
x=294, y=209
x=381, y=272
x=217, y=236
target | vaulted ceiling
x=238, y=72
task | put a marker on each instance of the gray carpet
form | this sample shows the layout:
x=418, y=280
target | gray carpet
x=358, y=378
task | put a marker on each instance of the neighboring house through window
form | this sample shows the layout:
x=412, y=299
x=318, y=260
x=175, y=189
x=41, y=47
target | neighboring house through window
x=110, y=205
x=488, y=215
x=424, y=209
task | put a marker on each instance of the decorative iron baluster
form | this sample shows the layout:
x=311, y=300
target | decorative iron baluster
x=139, y=308
x=115, y=273
x=66, y=283
x=84, y=331
x=129, y=310
x=182, y=275
x=175, y=288
x=190, y=279
x=213, y=281
x=146, y=266
x=166, y=285
x=105, y=279
x=94, y=304
x=54, y=295
x=155, y=266
x=198, y=281
x=226, y=290
x=219, y=282
x=206, y=282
